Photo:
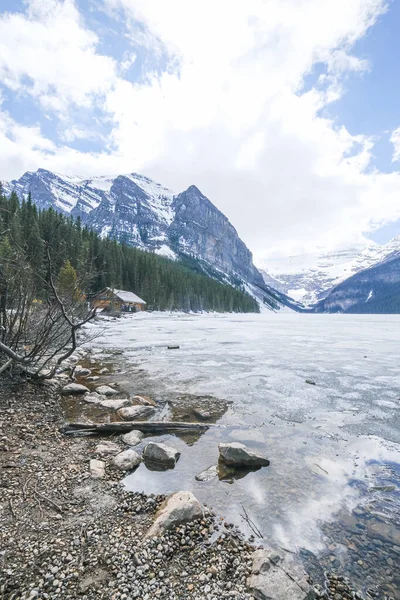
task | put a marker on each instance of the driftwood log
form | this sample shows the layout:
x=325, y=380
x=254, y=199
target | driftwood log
x=83, y=429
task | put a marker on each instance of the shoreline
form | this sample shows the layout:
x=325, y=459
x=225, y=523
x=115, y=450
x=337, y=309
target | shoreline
x=68, y=535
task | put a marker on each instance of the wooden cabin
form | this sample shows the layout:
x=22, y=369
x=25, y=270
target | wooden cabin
x=120, y=300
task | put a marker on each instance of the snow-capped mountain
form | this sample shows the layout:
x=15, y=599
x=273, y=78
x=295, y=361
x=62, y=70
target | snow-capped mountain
x=308, y=278
x=140, y=212
x=372, y=290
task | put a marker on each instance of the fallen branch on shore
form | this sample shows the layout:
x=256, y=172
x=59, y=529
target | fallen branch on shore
x=79, y=429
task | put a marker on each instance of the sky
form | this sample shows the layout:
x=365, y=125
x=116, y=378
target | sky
x=283, y=112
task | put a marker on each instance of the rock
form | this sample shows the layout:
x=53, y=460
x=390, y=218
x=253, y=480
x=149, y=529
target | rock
x=103, y=371
x=144, y=400
x=239, y=455
x=180, y=508
x=115, y=404
x=310, y=382
x=134, y=412
x=81, y=371
x=93, y=398
x=106, y=390
x=92, y=378
x=132, y=438
x=161, y=454
x=273, y=578
x=107, y=448
x=208, y=474
x=202, y=414
x=73, y=389
x=173, y=347
x=97, y=468
x=127, y=460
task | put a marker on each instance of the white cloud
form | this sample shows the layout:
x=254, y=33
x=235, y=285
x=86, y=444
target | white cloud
x=229, y=112
x=49, y=54
x=126, y=64
x=395, y=139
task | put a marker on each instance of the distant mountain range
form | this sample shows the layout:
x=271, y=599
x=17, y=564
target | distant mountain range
x=310, y=278
x=140, y=212
x=373, y=290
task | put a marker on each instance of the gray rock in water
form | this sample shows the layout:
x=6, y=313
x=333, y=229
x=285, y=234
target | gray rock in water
x=161, y=454
x=93, y=398
x=202, y=414
x=239, y=455
x=208, y=474
x=132, y=438
x=144, y=400
x=73, y=389
x=103, y=371
x=97, y=468
x=135, y=412
x=273, y=578
x=81, y=371
x=115, y=404
x=180, y=508
x=92, y=378
x=127, y=460
x=106, y=390
x=107, y=448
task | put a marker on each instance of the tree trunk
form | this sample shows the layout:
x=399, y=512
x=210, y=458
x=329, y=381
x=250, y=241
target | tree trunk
x=126, y=426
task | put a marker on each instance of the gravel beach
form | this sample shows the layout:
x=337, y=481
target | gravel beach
x=67, y=534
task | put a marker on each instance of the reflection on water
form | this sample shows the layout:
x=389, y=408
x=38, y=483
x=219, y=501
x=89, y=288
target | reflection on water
x=332, y=487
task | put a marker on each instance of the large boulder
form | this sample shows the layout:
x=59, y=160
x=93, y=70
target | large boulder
x=106, y=390
x=133, y=438
x=180, y=508
x=239, y=455
x=160, y=454
x=274, y=578
x=135, y=412
x=127, y=460
x=73, y=389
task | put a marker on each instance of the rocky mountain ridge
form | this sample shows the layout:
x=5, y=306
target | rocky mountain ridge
x=373, y=290
x=140, y=212
x=309, y=278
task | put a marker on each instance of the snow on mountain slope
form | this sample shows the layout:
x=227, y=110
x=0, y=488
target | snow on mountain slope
x=308, y=278
x=50, y=189
x=135, y=210
x=372, y=290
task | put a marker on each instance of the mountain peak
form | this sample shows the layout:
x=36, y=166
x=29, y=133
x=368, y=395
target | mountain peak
x=194, y=190
x=138, y=211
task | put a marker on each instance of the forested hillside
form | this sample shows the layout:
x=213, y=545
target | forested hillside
x=164, y=284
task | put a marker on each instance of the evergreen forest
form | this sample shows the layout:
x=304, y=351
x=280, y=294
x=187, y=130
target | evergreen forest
x=164, y=284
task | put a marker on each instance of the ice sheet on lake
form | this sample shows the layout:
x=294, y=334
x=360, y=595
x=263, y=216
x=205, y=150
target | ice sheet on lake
x=261, y=363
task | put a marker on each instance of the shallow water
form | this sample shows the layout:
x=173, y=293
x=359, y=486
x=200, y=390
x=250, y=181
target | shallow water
x=333, y=486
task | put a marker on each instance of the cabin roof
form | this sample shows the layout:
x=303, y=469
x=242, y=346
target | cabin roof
x=127, y=296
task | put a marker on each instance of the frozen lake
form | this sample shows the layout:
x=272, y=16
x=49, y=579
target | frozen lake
x=333, y=486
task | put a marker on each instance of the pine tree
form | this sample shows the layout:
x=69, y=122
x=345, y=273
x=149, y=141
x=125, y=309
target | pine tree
x=79, y=254
x=67, y=282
